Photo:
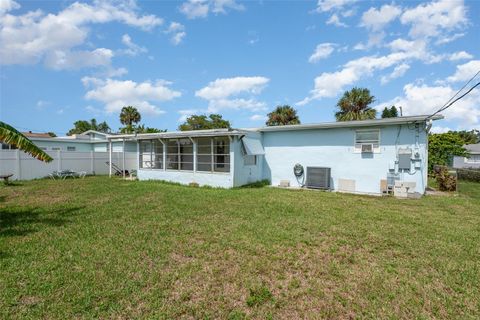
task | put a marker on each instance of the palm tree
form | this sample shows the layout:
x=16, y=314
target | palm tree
x=11, y=136
x=354, y=105
x=128, y=117
x=282, y=115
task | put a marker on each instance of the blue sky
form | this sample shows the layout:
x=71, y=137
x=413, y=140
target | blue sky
x=62, y=61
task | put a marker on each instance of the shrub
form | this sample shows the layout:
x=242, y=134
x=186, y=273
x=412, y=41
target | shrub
x=445, y=180
x=469, y=174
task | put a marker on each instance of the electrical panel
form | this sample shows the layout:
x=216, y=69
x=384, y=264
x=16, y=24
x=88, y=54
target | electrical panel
x=404, y=159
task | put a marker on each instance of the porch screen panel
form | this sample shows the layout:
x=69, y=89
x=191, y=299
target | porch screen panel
x=157, y=154
x=221, y=156
x=204, y=154
x=185, y=154
x=145, y=154
x=172, y=154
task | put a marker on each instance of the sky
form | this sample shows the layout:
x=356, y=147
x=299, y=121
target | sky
x=64, y=61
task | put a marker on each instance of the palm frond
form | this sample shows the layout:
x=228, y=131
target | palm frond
x=11, y=136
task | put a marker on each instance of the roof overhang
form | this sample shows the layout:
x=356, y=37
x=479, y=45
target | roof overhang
x=179, y=134
x=353, y=124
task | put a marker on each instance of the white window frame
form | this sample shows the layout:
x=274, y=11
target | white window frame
x=70, y=147
x=215, y=166
x=470, y=160
x=152, y=155
x=56, y=148
x=357, y=148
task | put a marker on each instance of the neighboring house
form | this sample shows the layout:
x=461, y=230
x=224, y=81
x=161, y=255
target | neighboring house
x=90, y=140
x=353, y=156
x=473, y=161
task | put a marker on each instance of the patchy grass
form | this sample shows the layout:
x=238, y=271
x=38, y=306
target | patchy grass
x=107, y=248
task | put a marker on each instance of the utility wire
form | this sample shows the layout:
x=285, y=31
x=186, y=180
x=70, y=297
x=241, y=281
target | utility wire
x=449, y=102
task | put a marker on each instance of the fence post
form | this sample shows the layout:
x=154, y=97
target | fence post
x=92, y=162
x=19, y=166
x=59, y=163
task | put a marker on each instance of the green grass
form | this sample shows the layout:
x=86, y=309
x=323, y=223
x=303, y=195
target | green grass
x=107, y=248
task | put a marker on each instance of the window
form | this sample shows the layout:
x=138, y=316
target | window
x=71, y=148
x=213, y=154
x=180, y=154
x=56, y=148
x=8, y=147
x=151, y=154
x=474, y=158
x=367, y=137
x=43, y=148
x=249, y=160
x=172, y=154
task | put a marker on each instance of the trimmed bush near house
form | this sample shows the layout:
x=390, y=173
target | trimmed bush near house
x=446, y=181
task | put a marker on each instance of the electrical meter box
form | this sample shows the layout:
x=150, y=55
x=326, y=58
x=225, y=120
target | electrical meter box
x=404, y=159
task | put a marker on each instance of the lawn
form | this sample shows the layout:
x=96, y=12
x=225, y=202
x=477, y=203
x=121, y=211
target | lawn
x=108, y=248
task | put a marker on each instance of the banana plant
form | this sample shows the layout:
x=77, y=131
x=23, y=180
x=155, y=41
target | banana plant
x=11, y=136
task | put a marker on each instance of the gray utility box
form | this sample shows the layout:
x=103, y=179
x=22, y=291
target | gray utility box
x=404, y=159
x=318, y=178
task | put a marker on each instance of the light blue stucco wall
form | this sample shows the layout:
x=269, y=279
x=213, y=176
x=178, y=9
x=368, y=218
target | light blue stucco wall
x=245, y=174
x=334, y=148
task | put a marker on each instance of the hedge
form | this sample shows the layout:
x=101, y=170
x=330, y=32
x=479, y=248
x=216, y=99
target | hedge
x=469, y=174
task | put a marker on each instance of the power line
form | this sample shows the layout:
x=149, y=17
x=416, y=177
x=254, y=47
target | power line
x=449, y=102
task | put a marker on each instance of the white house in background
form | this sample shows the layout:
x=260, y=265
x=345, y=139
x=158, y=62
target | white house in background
x=90, y=140
x=370, y=156
x=473, y=161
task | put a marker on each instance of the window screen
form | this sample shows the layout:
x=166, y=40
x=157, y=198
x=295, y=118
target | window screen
x=151, y=154
x=71, y=148
x=367, y=137
x=213, y=154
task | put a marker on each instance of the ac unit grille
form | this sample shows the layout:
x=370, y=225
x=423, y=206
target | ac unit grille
x=318, y=177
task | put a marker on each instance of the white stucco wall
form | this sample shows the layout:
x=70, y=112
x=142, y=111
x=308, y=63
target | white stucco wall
x=334, y=148
x=222, y=180
x=245, y=174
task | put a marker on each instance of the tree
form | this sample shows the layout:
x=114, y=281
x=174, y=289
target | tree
x=354, y=105
x=202, y=122
x=282, y=115
x=9, y=135
x=129, y=117
x=390, y=113
x=469, y=137
x=143, y=129
x=51, y=134
x=442, y=147
x=81, y=126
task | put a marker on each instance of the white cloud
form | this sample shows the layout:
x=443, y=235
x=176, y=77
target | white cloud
x=335, y=20
x=465, y=71
x=442, y=39
x=62, y=60
x=328, y=5
x=35, y=36
x=201, y=8
x=375, y=19
x=460, y=55
x=435, y=18
x=397, y=72
x=177, y=32
x=133, y=49
x=424, y=99
x=330, y=84
x=116, y=94
x=184, y=114
x=234, y=93
x=8, y=5
x=440, y=129
x=322, y=51
x=258, y=117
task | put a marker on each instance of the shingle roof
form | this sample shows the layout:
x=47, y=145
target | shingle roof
x=473, y=148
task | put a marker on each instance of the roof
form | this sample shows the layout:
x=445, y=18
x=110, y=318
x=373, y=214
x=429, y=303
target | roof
x=472, y=148
x=352, y=124
x=181, y=134
x=31, y=134
x=97, y=132
x=240, y=132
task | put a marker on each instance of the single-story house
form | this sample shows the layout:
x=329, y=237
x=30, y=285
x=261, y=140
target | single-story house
x=472, y=161
x=90, y=140
x=369, y=156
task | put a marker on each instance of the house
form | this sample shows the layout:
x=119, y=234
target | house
x=90, y=140
x=473, y=161
x=369, y=156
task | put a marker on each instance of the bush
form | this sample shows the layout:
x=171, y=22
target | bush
x=445, y=180
x=469, y=174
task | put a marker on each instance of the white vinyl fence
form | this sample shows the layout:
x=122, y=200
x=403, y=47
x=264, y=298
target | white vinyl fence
x=24, y=167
